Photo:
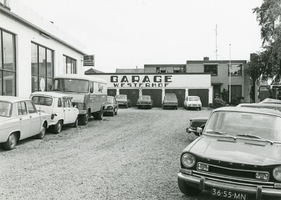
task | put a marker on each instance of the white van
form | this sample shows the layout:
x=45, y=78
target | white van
x=89, y=94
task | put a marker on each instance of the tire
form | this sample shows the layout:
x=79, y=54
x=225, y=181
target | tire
x=187, y=189
x=116, y=111
x=42, y=133
x=57, y=128
x=11, y=142
x=199, y=108
x=112, y=114
x=84, y=119
x=75, y=124
x=100, y=115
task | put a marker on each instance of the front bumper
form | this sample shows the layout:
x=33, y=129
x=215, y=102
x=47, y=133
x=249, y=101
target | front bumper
x=203, y=183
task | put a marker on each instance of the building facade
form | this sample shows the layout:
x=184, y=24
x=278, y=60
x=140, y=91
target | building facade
x=33, y=51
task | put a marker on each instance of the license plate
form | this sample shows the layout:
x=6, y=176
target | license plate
x=228, y=194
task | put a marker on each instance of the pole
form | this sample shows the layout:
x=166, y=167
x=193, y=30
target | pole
x=229, y=69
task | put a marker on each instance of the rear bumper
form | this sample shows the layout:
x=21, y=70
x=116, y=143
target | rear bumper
x=203, y=183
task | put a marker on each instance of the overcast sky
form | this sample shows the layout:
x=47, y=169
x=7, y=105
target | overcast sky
x=131, y=33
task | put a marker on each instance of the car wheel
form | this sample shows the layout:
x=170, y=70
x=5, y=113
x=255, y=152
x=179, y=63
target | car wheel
x=187, y=189
x=57, y=128
x=84, y=119
x=11, y=142
x=42, y=133
x=112, y=114
x=75, y=124
x=199, y=108
x=116, y=111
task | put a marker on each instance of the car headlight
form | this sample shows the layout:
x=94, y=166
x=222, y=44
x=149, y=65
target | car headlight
x=277, y=173
x=188, y=160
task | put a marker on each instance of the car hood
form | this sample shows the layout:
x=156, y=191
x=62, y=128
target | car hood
x=236, y=151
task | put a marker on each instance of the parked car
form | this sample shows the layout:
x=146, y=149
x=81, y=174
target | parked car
x=192, y=102
x=123, y=100
x=275, y=106
x=60, y=107
x=145, y=101
x=170, y=101
x=196, y=122
x=237, y=155
x=271, y=100
x=111, y=106
x=19, y=119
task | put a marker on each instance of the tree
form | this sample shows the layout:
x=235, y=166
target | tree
x=269, y=17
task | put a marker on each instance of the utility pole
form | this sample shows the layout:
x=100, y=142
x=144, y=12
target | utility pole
x=229, y=69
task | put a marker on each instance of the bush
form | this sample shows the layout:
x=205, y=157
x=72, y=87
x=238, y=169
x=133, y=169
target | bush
x=218, y=102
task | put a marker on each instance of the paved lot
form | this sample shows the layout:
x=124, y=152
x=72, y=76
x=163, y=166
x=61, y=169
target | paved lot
x=134, y=155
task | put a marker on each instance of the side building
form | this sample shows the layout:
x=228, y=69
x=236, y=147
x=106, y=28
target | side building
x=33, y=51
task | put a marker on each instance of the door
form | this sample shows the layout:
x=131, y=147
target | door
x=202, y=93
x=132, y=94
x=156, y=95
x=35, y=119
x=180, y=93
x=68, y=111
x=111, y=92
x=24, y=120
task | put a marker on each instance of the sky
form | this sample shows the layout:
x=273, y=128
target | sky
x=132, y=33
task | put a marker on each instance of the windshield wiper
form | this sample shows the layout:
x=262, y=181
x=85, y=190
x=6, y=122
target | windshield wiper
x=249, y=136
x=217, y=132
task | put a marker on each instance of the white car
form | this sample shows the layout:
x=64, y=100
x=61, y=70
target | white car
x=60, y=107
x=192, y=102
x=19, y=119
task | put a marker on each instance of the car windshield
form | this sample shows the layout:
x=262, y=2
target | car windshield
x=109, y=100
x=44, y=101
x=5, y=109
x=71, y=85
x=193, y=99
x=121, y=97
x=243, y=124
x=170, y=97
x=147, y=98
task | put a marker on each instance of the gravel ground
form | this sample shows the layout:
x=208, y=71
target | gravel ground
x=134, y=155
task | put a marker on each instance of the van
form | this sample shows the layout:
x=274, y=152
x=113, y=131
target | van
x=89, y=94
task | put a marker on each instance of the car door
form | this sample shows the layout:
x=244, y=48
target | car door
x=68, y=111
x=35, y=119
x=24, y=119
x=73, y=111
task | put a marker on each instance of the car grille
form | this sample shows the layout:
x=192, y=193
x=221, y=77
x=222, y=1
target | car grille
x=231, y=172
x=195, y=124
x=144, y=102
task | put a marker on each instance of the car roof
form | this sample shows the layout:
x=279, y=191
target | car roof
x=249, y=110
x=52, y=94
x=260, y=105
x=12, y=99
x=270, y=100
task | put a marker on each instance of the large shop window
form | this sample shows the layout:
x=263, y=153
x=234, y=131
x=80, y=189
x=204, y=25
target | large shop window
x=70, y=65
x=42, y=67
x=7, y=64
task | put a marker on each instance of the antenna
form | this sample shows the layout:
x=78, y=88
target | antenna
x=216, y=43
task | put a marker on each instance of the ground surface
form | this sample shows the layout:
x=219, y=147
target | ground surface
x=134, y=155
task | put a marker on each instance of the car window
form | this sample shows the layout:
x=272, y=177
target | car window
x=147, y=98
x=121, y=97
x=193, y=98
x=66, y=102
x=30, y=107
x=22, y=108
x=59, y=103
x=170, y=97
x=5, y=109
x=44, y=101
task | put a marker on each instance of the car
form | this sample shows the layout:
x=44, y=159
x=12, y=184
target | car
x=111, y=106
x=59, y=105
x=192, y=102
x=19, y=119
x=170, y=101
x=196, y=122
x=145, y=101
x=123, y=100
x=271, y=100
x=269, y=105
x=236, y=157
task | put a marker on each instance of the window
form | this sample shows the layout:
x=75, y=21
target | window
x=235, y=69
x=7, y=64
x=70, y=65
x=42, y=67
x=212, y=69
x=30, y=106
x=22, y=108
x=179, y=69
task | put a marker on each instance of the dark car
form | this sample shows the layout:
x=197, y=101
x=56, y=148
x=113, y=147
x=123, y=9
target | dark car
x=123, y=100
x=196, y=122
x=236, y=157
x=170, y=101
x=145, y=101
x=111, y=106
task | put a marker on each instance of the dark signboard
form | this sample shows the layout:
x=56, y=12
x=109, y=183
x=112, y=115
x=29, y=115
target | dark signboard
x=89, y=60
